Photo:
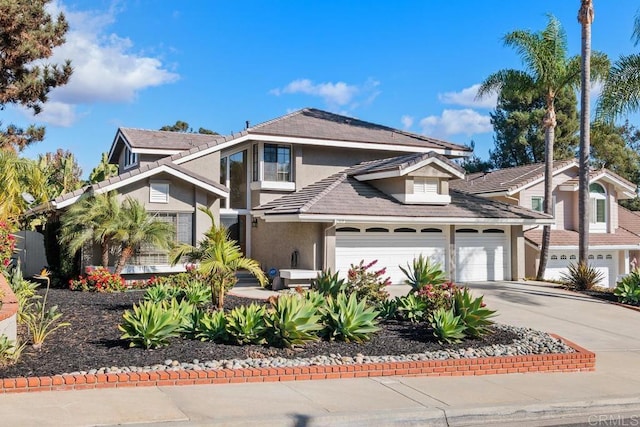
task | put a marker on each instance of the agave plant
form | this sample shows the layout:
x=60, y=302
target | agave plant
x=329, y=284
x=213, y=327
x=412, y=308
x=293, y=321
x=181, y=311
x=348, y=319
x=388, y=308
x=628, y=289
x=150, y=325
x=196, y=293
x=421, y=273
x=447, y=327
x=246, y=324
x=581, y=276
x=473, y=313
x=159, y=293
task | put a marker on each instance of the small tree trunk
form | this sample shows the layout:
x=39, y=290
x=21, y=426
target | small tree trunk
x=105, y=254
x=125, y=254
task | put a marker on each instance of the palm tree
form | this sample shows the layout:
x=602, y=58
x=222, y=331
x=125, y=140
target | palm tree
x=585, y=17
x=91, y=219
x=549, y=71
x=621, y=92
x=135, y=227
x=219, y=259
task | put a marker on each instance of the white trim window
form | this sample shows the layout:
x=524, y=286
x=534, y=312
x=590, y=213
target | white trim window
x=425, y=185
x=597, y=208
x=130, y=158
x=537, y=203
x=277, y=163
x=158, y=192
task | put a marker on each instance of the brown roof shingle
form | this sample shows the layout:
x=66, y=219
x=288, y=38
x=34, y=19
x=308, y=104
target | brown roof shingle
x=569, y=238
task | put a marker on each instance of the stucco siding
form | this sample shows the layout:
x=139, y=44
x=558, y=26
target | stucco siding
x=206, y=166
x=274, y=243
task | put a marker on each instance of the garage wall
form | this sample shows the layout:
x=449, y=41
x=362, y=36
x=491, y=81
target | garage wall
x=273, y=243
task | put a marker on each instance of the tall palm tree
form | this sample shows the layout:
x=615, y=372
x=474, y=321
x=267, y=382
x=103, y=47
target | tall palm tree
x=621, y=92
x=585, y=17
x=135, y=227
x=91, y=219
x=548, y=72
x=219, y=259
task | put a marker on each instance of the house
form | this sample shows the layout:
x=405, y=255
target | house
x=313, y=190
x=613, y=231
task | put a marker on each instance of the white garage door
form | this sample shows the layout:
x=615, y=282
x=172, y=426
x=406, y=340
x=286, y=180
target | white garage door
x=605, y=262
x=481, y=255
x=391, y=246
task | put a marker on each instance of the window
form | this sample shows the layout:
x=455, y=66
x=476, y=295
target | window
x=425, y=185
x=536, y=203
x=255, y=163
x=223, y=171
x=277, y=163
x=158, y=192
x=130, y=158
x=238, y=180
x=598, y=210
x=148, y=254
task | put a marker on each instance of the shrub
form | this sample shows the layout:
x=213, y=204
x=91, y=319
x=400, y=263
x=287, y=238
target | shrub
x=367, y=284
x=41, y=322
x=246, y=324
x=412, y=308
x=24, y=290
x=195, y=292
x=182, y=311
x=628, y=289
x=7, y=246
x=150, y=325
x=437, y=296
x=328, y=284
x=581, y=276
x=348, y=319
x=447, y=327
x=158, y=293
x=179, y=280
x=213, y=327
x=98, y=280
x=473, y=313
x=421, y=273
x=315, y=298
x=293, y=321
x=388, y=309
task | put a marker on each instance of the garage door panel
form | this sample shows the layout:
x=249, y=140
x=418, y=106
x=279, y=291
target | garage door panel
x=604, y=262
x=391, y=250
x=480, y=257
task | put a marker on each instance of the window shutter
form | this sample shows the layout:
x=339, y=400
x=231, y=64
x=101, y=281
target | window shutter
x=423, y=185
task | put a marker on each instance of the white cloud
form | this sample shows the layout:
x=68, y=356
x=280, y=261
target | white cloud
x=335, y=95
x=105, y=66
x=452, y=122
x=467, y=98
x=407, y=121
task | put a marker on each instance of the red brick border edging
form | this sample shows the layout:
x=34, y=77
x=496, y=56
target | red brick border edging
x=581, y=360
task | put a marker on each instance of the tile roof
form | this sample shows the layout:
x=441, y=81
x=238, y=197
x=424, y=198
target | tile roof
x=629, y=220
x=505, y=180
x=401, y=162
x=330, y=195
x=318, y=124
x=164, y=140
x=560, y=238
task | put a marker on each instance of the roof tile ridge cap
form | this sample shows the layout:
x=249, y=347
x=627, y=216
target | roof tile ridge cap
x=428, y=138
x=558, y=164
x=509, y=205
x=277, y=119
x=339, y=179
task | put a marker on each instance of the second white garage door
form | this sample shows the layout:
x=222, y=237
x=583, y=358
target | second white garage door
x=392, y=247
x=481, y=255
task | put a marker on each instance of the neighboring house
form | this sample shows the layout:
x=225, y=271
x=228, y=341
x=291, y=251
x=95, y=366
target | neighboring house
x=613, y=242
x=314, y=190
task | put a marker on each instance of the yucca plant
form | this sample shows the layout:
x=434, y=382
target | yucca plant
x=421, y=273
x=246, y=324
x=347, y=319
x=581, y=276
x=473, y=313
x=328, y=284
x=150, y=325
x=293, y=321
x=213, y=327
x=628, y=289
x=412, y=308
x=447, y=327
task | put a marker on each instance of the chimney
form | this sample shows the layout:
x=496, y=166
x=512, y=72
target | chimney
x=246, y=124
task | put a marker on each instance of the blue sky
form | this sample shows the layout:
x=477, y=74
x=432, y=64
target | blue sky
x=406, y=64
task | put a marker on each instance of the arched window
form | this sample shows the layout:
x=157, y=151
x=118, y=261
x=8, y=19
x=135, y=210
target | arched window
x=404, y=230
x=377, y=230
x=598, y=207
x=347, y=229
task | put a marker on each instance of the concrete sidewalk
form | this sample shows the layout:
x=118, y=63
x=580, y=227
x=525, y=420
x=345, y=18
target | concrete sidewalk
x=609, y=393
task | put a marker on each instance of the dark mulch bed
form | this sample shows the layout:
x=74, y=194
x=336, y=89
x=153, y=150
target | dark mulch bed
x=93, y=340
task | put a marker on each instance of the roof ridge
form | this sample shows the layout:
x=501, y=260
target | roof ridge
x=338, y=177
x=277, y=119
